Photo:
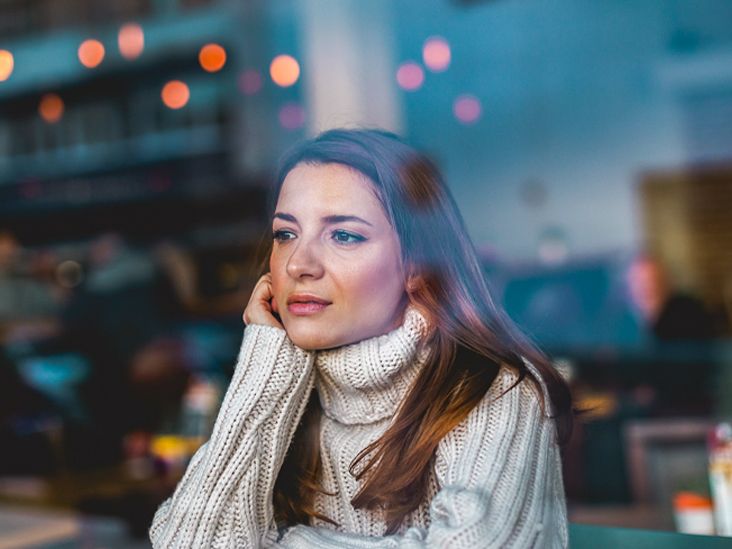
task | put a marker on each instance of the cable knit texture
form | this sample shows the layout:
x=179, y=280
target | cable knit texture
x=497, y=480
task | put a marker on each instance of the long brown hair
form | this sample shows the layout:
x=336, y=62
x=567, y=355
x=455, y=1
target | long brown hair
x=447, y=284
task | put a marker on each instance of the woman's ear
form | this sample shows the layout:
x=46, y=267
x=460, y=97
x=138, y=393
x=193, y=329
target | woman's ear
x=414, y=283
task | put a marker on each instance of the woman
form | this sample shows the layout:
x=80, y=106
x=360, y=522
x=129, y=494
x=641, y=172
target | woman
x=380, y=399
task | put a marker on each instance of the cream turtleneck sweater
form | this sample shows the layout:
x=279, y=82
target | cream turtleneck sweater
x=497, y=480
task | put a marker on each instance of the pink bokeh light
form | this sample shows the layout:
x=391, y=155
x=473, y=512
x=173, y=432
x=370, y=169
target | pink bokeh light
x=250, y=82
x=292, y=116
x=436, y=54
x=410, y=76
x=467, y=109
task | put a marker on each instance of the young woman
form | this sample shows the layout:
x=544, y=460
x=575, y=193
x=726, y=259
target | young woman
x=380, y=398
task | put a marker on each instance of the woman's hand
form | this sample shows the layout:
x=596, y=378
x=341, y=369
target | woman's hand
x=262, y=306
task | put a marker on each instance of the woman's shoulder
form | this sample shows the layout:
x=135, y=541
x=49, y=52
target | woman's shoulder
x=507, y=415
x=510, y=382
x=528, y=388
x=510, y=398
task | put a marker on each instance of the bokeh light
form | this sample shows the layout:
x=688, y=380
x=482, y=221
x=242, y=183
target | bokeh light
x=410, y=76
x=250, y=82
x=292, y=116
x=553, y=246
x=175, y=94
x=467, y=109
x=91, y=53
x=131, y=41
x=51, y=108
x=436, y=54
x=69, y=273
x=6, y=65
x=284, y=70
x=212, y=57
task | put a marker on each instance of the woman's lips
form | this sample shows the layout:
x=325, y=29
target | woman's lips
x=304, y=309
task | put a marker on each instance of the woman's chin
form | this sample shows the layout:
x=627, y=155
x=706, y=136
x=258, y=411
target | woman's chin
x=305, y=340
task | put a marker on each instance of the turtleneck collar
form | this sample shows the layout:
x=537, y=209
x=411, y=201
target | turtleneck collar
x=364, y=382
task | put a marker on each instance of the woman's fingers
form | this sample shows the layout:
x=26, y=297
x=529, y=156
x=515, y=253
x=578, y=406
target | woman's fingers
x=262, y=304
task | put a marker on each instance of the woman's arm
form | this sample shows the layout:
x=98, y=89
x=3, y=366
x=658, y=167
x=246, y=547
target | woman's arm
x=224, y=497
x=501, y=479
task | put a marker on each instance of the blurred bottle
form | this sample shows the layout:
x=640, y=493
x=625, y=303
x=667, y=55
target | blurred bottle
x=720, y=476
x=173, y=448
x=198, y=413
x=693, y=514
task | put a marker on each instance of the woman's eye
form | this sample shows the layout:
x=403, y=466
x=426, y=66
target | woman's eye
x=343, y=236
x=339, y=236
x=279, y=235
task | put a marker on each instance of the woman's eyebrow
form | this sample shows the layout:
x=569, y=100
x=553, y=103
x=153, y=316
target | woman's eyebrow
x=329, y=219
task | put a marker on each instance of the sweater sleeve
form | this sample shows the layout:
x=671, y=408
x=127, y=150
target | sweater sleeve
x=224, y=496
x=501, y=483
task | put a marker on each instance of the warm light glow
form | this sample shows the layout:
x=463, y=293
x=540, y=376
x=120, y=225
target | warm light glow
x=410, y=76
x=284, y=70
x=467, y=109
x=6, y=65
x=91, y=53
x=292, y=116
x=250, y=82
x=175, y=94
x=212, y=57
x=131, y=41
x=436, y=54
x=51, y=108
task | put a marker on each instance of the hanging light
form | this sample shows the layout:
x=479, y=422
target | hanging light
x=175, y=94
x=212, y=57
x=284, y=70
x=131, y=41
x=91, y=53
x=6, y=65
x=51, y=108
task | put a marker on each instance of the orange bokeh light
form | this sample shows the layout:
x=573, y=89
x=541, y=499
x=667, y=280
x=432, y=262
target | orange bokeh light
x=284, y=70
x=175, y=94
x=6, y=65
x=51, y=108
x=212, y=57
x=131, y=41
x=91, y=53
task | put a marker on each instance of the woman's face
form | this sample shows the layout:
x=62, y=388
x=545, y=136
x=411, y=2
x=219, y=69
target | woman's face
x=320, y=248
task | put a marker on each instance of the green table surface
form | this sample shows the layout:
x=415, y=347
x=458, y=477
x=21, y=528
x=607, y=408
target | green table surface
x=602, y=537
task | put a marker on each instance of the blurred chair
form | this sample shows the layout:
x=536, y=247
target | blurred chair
x=666, y=455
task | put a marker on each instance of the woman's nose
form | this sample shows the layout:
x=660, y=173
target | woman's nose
x=305, y=261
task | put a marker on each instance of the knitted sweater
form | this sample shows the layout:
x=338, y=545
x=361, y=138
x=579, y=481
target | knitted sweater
x=497, y=478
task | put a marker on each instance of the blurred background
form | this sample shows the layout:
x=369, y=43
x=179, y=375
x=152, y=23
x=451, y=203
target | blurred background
x=589, y=148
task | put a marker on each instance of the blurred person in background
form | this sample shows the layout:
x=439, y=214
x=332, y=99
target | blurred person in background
x=22, y=296
x=121, y=319
x=670, y=313
x=28, y=303
x=681, y=331
x=372, y=334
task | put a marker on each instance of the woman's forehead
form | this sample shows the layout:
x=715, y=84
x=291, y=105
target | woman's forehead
x=329, y=189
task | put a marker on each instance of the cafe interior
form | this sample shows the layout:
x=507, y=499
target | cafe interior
x=588, y=146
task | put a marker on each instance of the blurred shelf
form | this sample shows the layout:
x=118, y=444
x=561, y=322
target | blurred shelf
x=131, y=152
